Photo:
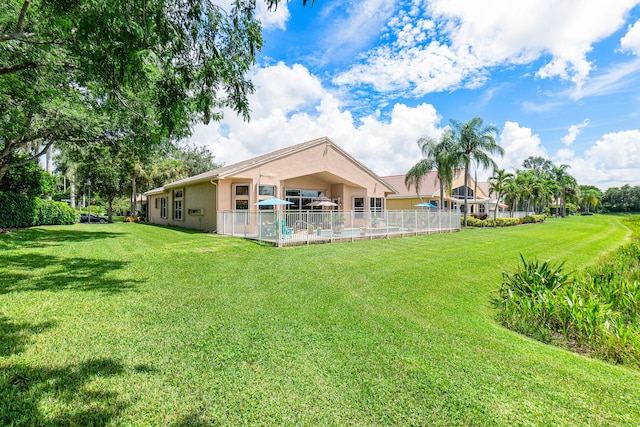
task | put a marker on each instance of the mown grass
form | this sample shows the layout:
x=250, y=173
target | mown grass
x=132, y=324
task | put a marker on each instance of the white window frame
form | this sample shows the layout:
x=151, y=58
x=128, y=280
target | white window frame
x=241, y=197
x=178, y=205
x=373, y=204
x=359, y=211
x=163, y=207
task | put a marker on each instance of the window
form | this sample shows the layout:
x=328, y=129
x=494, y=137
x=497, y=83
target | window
x=435, y=203
x=241, y=201
x=358, y=207
x=482, y=209
x=163, y=207
x=177, y=204
x=267, y=190
x=375, y=204
x=301, y=199
x=458, y=193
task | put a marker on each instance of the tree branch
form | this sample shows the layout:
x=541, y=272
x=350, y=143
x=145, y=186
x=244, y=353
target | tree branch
x=32, y=65
x=23, y=12
x=18, y=31
x=124, y=103
x=33, y=157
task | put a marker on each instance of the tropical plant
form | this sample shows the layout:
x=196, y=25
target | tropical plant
x=560, y=177
x=497, y=185
x=590, y=197
x=437, y=155
x=473, y=142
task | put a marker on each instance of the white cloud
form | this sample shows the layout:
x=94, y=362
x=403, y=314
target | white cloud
x=574, y=131
x=290, y=106
x=450, y=44
x=610, y=162
x=518, y=143
x=563, y=155
x=614, y=79
x=360, y=25
x=631, y=41
x=275, y=18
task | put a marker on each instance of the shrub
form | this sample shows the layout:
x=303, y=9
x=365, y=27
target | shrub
x=529, y=219
x=49, y=212
x=506, y=222
x=17, y=210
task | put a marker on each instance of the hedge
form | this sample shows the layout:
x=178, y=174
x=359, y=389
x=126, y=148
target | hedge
x=18, y=211
x=503, y=222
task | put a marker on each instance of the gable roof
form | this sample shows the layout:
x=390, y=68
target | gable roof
x=251, y=163
x=429, y=185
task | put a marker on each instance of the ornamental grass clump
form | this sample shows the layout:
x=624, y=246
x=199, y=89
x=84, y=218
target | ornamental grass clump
x=527, y=297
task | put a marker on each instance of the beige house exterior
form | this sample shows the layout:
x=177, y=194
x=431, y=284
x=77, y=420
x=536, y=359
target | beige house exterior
x=317, y=169
x=407, y=198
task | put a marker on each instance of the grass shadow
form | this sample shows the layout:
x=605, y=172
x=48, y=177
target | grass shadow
x=172, y=228
x=31, y=272
x=193, y=420
x=14, y=336
x=42, y=396
x=39, y=237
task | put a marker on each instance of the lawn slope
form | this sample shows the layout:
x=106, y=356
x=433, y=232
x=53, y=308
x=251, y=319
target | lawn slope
x=132, y=324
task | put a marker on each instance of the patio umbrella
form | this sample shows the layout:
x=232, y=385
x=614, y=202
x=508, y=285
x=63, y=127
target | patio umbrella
x=426, y=205
x=322, y=203
x=273, y=201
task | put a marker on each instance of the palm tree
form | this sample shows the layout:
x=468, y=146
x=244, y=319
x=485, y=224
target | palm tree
x=511, y=195
x=474, y=142
x=437, y=155
x=559, y=175
x=590, y=197
x=569, y=186
x=497, y=184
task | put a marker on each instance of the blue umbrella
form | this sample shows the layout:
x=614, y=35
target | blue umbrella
x=426, y=205
x=273, y=202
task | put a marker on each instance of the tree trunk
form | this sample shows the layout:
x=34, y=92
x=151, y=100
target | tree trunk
x=110, y=208
x=50, y=159
x=466, y=192
x=72, y=192
x=134, y=204
x=3, y=170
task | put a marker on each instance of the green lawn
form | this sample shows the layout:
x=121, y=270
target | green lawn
x=133, y=324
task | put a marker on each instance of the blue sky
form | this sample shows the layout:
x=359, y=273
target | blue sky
x=558, y=78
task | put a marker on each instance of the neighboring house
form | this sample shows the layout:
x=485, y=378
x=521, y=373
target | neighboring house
x=407, y=198
x=302, y=173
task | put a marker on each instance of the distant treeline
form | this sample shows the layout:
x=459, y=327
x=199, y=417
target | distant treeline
x=622, y=199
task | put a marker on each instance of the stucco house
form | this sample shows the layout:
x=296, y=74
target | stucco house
x=299, y=174
x=407, y=198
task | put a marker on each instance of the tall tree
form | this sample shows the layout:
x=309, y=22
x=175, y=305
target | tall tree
x=438, y=155
x=196, y=160
x=498, y=185
x=474, y=142
x=61, y=61
x=539, y=165
x=560, y=176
